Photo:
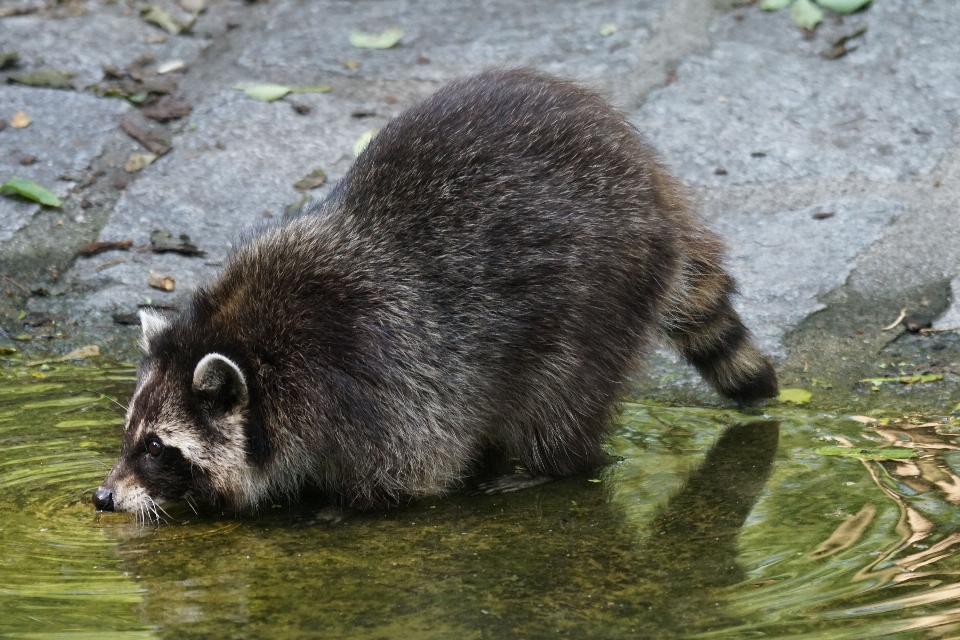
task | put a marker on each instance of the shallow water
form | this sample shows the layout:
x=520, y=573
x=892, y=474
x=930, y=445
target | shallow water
x=712, y=523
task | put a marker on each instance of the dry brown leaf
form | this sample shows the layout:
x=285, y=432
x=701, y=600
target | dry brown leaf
x=93, y=248
x=20, y=120
x=863, y=419
x=138, y=161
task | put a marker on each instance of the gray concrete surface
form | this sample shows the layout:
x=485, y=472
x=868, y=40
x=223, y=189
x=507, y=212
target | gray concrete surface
x=763, y=129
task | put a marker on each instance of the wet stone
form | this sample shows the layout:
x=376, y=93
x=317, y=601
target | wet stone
x=782, y=261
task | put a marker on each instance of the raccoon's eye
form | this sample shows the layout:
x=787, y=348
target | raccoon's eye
x=154, y=447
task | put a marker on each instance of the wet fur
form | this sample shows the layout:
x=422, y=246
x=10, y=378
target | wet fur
x=486, y=275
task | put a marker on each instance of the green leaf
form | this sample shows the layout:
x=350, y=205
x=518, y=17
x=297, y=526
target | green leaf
x=320, y=88
x=868, y=454
x=805, y=14
x=843, y=6
x=608, y=29
x=43, y=78
x=774, y=5
x=137, y=97
x=921, y=377
x=266, y=92
x=162, y=18
x=361, y=143
x=30, y=190
x=796, y=396
x=383, y=40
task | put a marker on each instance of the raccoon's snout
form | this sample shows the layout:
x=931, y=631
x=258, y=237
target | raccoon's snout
x=103, y=499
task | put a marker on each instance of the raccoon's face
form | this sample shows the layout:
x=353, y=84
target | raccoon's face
x=183, y=434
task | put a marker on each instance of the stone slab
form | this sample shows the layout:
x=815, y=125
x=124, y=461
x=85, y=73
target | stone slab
x=302, y=40
x=236, y=160
x=105, y=34
x=68, y=131
x=765, y=105
x=783, y=261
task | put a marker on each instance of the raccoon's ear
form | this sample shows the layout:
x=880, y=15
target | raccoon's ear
x=152, y=323
x=220, y=376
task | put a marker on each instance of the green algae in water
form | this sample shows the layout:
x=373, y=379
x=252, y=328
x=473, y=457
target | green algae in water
x=709, y=523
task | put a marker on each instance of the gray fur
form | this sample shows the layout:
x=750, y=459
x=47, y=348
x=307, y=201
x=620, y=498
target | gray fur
x=485, y=277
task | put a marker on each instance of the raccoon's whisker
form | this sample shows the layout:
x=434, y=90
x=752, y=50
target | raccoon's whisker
x=190, y=503
x=103, y=395
x=162, y=510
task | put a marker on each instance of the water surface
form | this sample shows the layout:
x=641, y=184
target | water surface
x=712, y=523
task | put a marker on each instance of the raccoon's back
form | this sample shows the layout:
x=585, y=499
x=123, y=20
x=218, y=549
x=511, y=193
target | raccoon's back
x=522, y=208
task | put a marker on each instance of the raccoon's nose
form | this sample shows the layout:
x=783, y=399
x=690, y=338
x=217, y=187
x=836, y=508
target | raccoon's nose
x=103, y=499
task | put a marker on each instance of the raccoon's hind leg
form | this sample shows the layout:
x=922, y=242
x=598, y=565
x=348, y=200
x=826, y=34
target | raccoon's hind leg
x=699, y=320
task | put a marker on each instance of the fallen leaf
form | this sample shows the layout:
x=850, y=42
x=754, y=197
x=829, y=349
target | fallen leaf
x=796, y=396
x=383, y=40
x=805, y=14
x=317, y=88
x=890, y=453
x=138, y=161
x=863, y=419
x=49, y=78
x=269, y=92
x=266, y=92
x=89, y=351
x=608, y=29
x=152, y=141
x=161, y=241
x=93, y=248
x=126, y=319
x=920, y=377
x=312, y=180
x=774, y=5
x=167, y=108
x=361, y=143
x=879, y=381
x=159, y=281
x=8, y=59
x=294, y=208
x=163, y=19
x=30, y=190
x=6, y=12
x=350, y=65
x=172, y=66
x=843, y=6
x=20, y=120
x=193, y=6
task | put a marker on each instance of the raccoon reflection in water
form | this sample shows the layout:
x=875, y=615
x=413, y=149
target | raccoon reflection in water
x=485, y=276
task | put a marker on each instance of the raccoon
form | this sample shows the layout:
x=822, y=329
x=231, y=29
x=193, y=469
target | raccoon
x=485, y=276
